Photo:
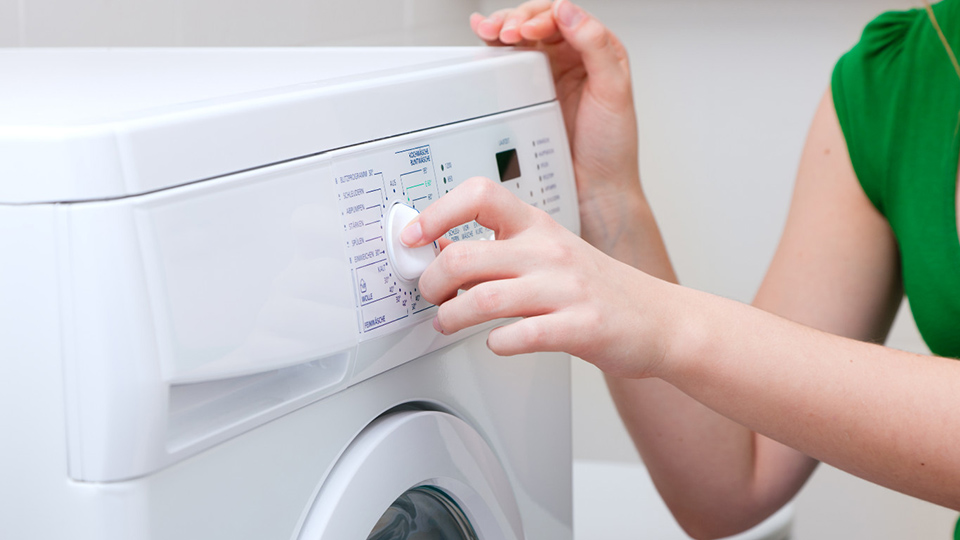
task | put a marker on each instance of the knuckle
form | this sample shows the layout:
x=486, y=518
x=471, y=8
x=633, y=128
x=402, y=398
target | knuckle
x=487, y=299
x=472, y=189
x=456, y=258
x=541, y=218
x=483, y=188
x=559, y=253
x=533, y=7
x=578, y=283
x=616, y=48
x=596, y=35
x=535, y=336
x=592, y=317
x=472, y=184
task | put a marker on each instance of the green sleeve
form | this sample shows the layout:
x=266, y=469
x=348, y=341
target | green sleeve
x=865, y=87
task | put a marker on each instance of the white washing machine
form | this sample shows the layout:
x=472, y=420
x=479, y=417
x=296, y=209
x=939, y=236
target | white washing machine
x=201, y=335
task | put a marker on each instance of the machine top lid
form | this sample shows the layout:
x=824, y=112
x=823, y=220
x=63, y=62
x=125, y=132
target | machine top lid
x=93, y=124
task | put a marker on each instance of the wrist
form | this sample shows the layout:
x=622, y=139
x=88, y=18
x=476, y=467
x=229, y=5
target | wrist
x=690, y=329
x=621, y=224
x=611, y=217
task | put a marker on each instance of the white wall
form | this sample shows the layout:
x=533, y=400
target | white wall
x=725, y=91
x=46, y=23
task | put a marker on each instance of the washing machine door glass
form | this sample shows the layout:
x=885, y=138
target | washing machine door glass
x=423, y=513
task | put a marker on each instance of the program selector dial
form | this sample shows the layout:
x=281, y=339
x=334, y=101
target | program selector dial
x=408, y=263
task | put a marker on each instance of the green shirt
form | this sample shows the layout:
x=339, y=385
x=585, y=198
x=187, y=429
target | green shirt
x=898, y=100
x=897, y=97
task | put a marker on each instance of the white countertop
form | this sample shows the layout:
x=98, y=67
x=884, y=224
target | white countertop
x=617, y=501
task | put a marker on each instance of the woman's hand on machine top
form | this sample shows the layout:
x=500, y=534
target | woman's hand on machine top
x=570, y=296
x=592, y=76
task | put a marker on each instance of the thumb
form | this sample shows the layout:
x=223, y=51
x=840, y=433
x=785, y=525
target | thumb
x=603, y=55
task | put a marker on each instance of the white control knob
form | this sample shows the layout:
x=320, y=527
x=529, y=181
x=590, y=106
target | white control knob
x=407, y=263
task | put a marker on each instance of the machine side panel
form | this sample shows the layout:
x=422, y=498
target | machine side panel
x=113, y=386
x=33, y=450
x=59, y=164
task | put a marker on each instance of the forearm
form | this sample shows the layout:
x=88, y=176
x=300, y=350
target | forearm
x=884, y=415
x=709, y=470
x=717, y=477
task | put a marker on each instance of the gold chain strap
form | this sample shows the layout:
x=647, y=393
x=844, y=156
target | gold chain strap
x=953, y=60
x=943, y=38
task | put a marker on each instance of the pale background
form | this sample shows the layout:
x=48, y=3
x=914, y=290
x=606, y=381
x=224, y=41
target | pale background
x=725, y=91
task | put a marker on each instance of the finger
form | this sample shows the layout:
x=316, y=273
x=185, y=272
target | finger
x=464, y=264
x=475, y=20
x=551, y=332
x=489, y=28
x=510, y=30
x=542, y=27
x=477, y=199
x=603, y=56
x=522, y=297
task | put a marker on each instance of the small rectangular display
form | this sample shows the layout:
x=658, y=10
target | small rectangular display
x=508, y=165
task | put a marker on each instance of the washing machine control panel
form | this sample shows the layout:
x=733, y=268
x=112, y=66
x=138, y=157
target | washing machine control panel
x=525, y=150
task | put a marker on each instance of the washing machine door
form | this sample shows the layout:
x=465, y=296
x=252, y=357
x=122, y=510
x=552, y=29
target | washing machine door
x=421, y=475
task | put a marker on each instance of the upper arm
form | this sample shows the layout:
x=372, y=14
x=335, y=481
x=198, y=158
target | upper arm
x=837, y=266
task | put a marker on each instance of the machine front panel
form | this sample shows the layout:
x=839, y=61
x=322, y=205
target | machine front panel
x=243, y=298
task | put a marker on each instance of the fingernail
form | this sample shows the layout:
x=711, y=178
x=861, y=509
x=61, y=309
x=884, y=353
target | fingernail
x=436, y=325
x=509, y=25
x=487, y=29
x=411, y=234
x=568, y=14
